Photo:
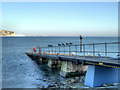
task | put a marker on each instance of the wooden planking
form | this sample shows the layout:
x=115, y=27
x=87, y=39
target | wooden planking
x=107, y=60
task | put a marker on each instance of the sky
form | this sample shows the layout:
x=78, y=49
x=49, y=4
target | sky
x=61, y=18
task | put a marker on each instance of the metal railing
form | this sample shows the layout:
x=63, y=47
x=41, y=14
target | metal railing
x=84, y=49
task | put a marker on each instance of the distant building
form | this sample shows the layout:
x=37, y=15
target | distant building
x=6, y=33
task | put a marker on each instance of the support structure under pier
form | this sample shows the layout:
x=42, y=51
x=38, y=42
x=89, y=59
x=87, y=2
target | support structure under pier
x=54, y=63
x=69, y=69
x=42, y=61
x=99, y=75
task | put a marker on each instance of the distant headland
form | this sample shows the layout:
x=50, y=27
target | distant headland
x=6, y=33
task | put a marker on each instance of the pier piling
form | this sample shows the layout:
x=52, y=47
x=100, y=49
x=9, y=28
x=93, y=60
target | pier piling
x=54, y=63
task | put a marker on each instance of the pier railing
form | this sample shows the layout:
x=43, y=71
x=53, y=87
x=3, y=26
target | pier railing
x=95, y=49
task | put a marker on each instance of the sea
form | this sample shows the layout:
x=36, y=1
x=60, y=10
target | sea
x=19, y=71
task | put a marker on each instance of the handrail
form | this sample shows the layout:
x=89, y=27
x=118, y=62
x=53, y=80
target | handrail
x=62, y=48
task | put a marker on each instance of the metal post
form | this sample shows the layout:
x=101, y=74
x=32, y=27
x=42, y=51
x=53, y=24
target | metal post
x=59, y=49
x=93, y=49
x=76, y=49
x=39, y=50
x=52, y=49
x=69, y=49
x=80, y=43
x=106, y=49
x=48, y=50
x=43, y=49
x=55, y=50
x=84, y=49
x=64, y=49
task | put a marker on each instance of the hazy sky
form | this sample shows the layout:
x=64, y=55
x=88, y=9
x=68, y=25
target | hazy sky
x=61, y=18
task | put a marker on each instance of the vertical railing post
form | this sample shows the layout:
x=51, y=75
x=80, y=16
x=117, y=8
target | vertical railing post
x=84, y=49
x=51, y=49
x=105, y=49
x=93, y=49
x=64, y=49
x=43, y=49
x=69, y=49
x=48, y=49
x=59, y=49
x=39, y=50
x=80, y=43
x=55, y=49
x=76, y=49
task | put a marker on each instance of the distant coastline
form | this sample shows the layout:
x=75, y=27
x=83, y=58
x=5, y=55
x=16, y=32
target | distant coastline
x=6, y=33
x=63, y=36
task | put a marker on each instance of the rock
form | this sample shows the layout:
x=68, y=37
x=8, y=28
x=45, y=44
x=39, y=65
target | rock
x=58, y=87
x=72, y=80
x=20, y=64
x=111, y=85
x=38, y=84
x=76, y=81
x=61, y=87
x=51, y=85
x=81, y=80
x=104, y=85
x=48, y=80
x=46, y=75
x=62, y=84
x=32, y=84
x=54, y=83
x=77, y=78
x=116, y=84
x=83, y=77
x=42, y=86
x=39, y=87
x=67, y=80
x=44, y=80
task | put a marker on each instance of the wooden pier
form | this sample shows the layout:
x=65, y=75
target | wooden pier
x=85, y=60
x=101, y=69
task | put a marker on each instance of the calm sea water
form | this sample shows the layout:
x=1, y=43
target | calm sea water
x=19, y=71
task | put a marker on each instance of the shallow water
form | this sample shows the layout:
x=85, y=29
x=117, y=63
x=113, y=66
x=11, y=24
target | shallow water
x=19, y=71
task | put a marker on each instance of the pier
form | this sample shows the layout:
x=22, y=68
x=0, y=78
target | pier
x=77, y=59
